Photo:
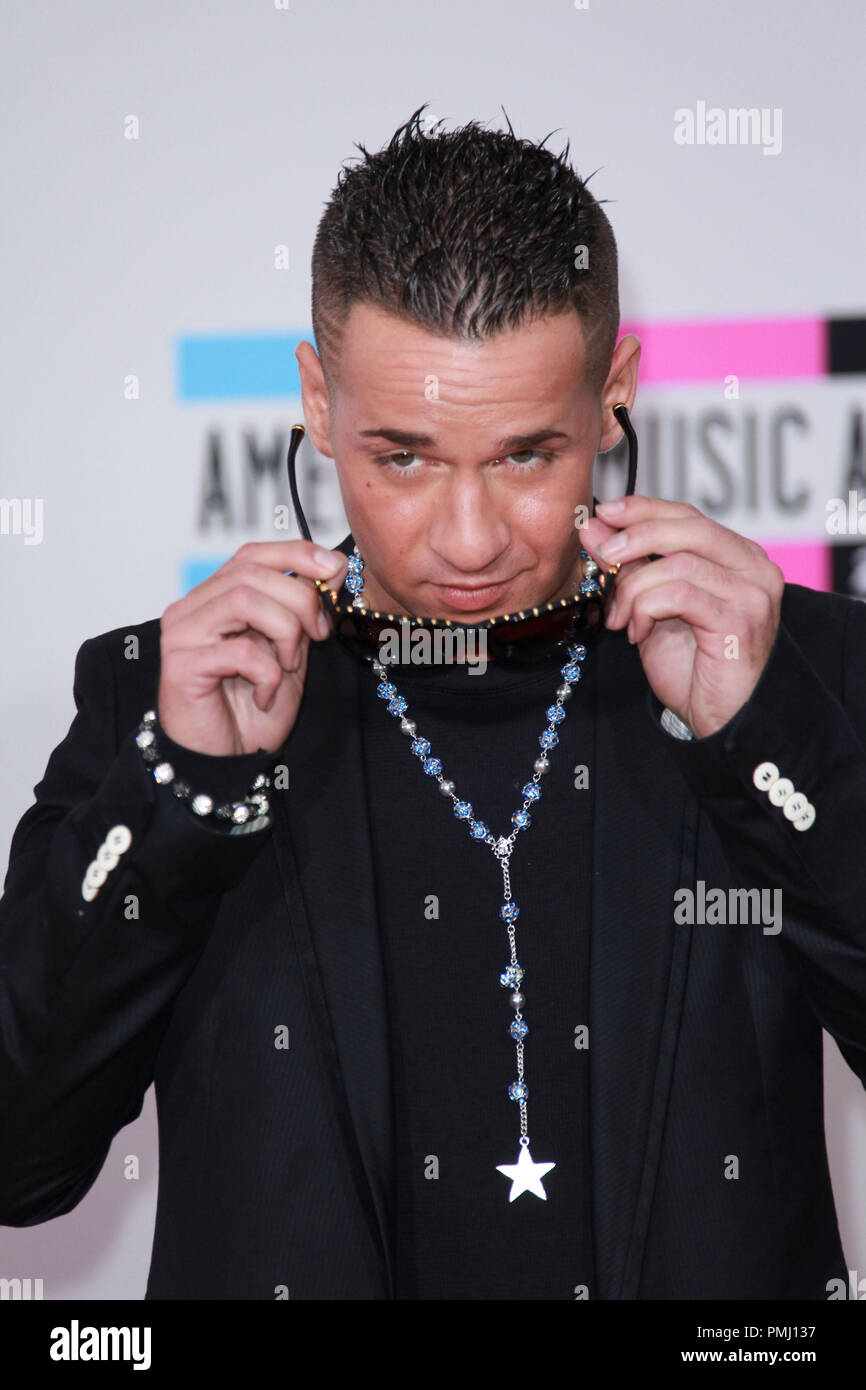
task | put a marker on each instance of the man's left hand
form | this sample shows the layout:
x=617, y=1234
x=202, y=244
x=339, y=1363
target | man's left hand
x=704, y=617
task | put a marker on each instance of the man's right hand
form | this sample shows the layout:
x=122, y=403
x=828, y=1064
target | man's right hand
x=234, y=650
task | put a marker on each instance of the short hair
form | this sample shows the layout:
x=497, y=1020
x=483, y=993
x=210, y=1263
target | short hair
x=465, y=233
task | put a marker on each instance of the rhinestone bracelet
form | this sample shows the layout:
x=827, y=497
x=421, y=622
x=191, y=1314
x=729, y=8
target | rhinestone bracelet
x=252, y=805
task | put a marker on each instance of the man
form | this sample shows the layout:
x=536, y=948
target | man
x=314, y=982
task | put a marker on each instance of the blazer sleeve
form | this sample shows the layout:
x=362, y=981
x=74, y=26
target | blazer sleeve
x=87, y=981
x=815, y=736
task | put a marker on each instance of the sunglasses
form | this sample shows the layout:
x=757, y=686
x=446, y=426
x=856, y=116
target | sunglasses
x=522, y=638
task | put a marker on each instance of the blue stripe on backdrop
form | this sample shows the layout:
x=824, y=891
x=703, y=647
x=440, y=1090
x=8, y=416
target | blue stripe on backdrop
x=238, y=366
x=194, y=569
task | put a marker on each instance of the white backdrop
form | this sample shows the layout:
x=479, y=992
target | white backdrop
x=155, y=156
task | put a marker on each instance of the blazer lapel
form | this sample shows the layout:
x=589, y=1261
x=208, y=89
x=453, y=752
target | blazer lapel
x=643, y=850
x=322, y=842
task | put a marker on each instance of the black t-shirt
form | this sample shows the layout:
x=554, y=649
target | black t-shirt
x=438, y=895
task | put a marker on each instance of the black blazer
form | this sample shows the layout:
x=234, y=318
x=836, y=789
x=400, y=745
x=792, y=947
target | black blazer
x=276, y=1165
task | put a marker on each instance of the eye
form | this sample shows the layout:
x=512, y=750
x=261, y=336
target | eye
x=529, y=455
x=401, y=462
x=387, y=462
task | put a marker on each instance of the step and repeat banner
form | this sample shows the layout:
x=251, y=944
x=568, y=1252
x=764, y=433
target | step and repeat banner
x=165, y=168
x=758, y=422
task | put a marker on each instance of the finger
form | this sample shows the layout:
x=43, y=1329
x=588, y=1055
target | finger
x=694, y=532
x=297, y=557
x=204, y=667
x=279, y=671
x=294, y=558
x=702, y=611
x=622, y=511
x=747, y=602
x=299, y=595
x=592, y=535
x=231, y=613
x=594, y=532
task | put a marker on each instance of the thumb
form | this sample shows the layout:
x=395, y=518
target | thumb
x=594, y=534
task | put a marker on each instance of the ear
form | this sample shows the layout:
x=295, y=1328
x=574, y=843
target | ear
x=315, y=397
x=621, y=385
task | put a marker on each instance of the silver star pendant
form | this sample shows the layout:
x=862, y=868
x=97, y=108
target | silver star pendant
x=525, y=1175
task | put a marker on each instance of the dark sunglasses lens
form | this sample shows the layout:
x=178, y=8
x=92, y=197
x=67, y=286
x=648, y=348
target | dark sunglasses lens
x=524, y=642
x=532, y=640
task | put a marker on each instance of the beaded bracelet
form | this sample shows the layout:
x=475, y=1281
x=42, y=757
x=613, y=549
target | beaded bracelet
x=255, y=804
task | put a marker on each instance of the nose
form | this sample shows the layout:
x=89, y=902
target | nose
x=471, y=530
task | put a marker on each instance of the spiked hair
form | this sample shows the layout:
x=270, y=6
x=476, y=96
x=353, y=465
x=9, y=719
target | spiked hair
x=466, y=233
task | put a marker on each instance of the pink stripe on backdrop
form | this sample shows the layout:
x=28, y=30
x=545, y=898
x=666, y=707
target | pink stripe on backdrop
x=803, y=564
x=712, y=349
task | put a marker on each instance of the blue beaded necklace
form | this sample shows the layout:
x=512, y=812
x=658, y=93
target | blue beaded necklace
x=525, y=1175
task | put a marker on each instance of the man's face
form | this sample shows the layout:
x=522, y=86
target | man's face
x=460, y=465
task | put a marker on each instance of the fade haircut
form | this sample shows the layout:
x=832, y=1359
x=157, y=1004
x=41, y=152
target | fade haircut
x=465, y=233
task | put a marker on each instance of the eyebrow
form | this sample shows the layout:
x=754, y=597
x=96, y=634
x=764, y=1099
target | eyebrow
x=511, y=444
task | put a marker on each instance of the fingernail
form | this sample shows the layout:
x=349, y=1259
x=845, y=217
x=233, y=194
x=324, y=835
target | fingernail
x=611, y=612
x=613, y=545
x=324, y=626
x=330, y=560
x=610, y=508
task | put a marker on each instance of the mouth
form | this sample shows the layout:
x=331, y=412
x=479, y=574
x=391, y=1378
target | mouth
x=470, y=599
